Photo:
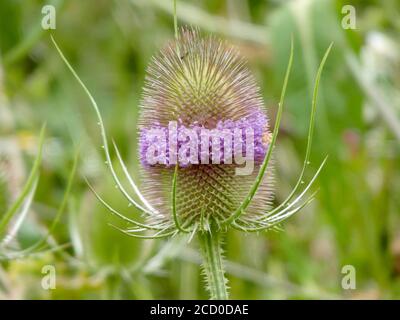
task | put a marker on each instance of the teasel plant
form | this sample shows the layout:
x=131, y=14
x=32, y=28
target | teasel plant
x=203, y=82
x=15, y=213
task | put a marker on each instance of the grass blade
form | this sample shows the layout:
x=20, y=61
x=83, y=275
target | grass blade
x=30, y=184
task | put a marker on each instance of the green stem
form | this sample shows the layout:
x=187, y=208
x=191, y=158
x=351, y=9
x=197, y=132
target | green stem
x=210, y=243
x=175, y=22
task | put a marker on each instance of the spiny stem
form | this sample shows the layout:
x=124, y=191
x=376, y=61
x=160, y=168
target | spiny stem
x=210, y=242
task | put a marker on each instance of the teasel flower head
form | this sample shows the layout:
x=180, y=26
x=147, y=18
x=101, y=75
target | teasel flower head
x=201, y=83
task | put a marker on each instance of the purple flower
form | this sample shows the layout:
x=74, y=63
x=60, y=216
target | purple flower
x=168, y=143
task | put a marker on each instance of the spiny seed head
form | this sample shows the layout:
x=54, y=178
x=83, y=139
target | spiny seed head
x=202, y=82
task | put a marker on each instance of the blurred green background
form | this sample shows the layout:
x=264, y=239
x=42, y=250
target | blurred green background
x=354, y=220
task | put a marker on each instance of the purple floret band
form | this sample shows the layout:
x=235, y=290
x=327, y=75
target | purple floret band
x=229, y=142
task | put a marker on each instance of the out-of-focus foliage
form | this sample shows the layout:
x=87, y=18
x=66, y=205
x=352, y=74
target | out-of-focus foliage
x=355, y=219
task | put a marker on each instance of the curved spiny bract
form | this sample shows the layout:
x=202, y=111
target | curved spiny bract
x=202, y=82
